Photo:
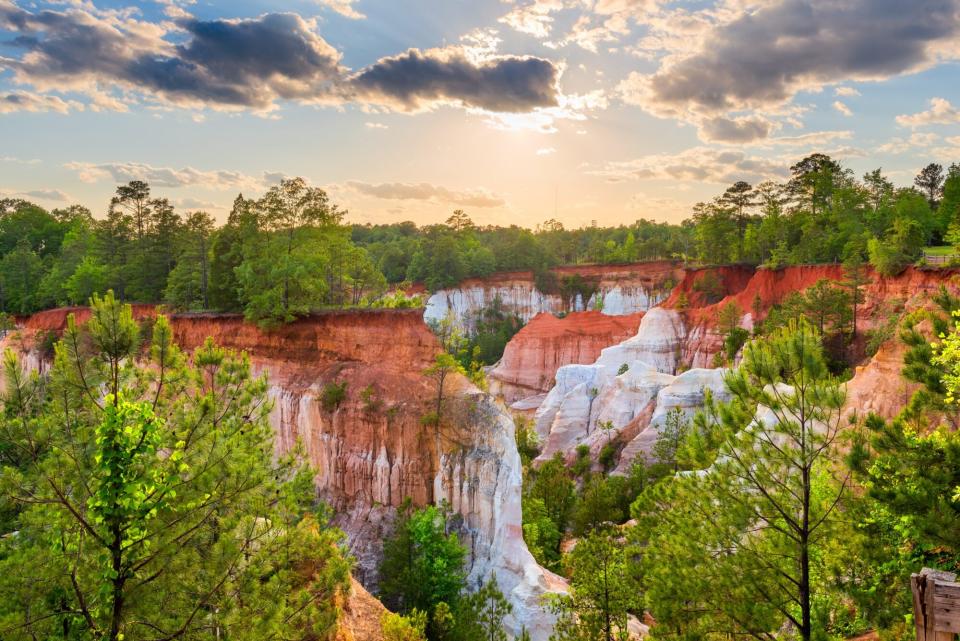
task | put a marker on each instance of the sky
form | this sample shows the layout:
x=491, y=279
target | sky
x=516, y=111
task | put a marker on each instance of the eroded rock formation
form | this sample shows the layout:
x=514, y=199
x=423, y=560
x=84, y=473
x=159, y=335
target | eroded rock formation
x=614, y=289
x=371, y=449
x=547, y=343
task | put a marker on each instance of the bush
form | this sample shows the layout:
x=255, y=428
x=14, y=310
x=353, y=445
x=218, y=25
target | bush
x=623, y=369
x=608, y=456
x=334, y=393
x=581, y=466
x=371, y=403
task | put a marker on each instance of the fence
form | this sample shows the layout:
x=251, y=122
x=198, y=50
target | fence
x=936, y=605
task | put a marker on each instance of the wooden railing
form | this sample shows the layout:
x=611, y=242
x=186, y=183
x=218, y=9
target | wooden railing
x=936, y=605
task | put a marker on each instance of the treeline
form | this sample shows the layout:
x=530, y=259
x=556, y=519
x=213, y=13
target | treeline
x=284, y=254
x=824, y=214
x=442, y=255
x=290, y=251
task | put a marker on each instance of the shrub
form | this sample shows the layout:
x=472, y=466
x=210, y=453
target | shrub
x=623, y=369
x=370, y=402
x=334, y=393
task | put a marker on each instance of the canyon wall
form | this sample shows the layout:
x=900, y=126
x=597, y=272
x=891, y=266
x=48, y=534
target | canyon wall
x=614, y=289
x=626, y=395
x=546, y=343
x=372, y=451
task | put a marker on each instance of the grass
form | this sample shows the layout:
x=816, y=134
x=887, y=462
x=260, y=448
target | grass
x=940, y=250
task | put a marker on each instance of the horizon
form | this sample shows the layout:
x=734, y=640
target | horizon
x=515, y=111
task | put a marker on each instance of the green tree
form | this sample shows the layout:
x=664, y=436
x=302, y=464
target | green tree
x=155, y=504
x=671, y=437
x=930, y=182
x=480, y=615
x=278, y=278
x=739, y=197
x=552, y=485
x=422, y=565
x=20, y=273
x=188, y=286
x=226, y=248
x=766, y=498
x=603, y=594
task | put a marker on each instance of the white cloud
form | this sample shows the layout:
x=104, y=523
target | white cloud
x=427, y=192
x=842, y=108
x=698, y=164
x=941, y=112
x=546, y=151
x=916, y=141
x=343, y=7
x=375, y=125
x=122, y=172
x=846, y=92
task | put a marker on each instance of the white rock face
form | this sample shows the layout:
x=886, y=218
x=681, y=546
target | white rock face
x=588, y=397
x=483, y=484
x=685, y=392
x=527, y=301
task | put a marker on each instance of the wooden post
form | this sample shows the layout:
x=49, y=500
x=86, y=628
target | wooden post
x=936, y=605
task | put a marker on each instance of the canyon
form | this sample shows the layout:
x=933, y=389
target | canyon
x=624, y=397
x=373, y=451
x=609, y=378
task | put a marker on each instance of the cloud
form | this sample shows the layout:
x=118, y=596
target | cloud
x=842, y=108
x=917, y=140
x=418, y=80
x=195, y=203
x=734, y=130
x=375, y=125
x=941, y=112
x=546, y=151
x=812, y=139
x=427, y=192
x=168, y=176
x=33, y=102
x=534, y=19
x=114, y=59
x=20, y=161
x=846, y=92
x=49, y=195
x=246, y=63
x=794, y=46
x=343, y=7
x=698, y=164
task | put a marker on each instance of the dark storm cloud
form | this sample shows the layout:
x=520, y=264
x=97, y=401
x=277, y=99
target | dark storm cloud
x=765, y=57
x=251, y=63
x=416, y=78
x=242, y=63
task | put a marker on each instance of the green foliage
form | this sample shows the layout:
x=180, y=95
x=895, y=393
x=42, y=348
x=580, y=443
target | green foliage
x=596, y=508
x=603, y=592
x=334, y=393
x=528, y=444
x=768, y=494
x=422, y=565
x=155, y=500
x=397, y=627
x=479, y=616
x=553, y=486
x=493, y=327
x=540, y=533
